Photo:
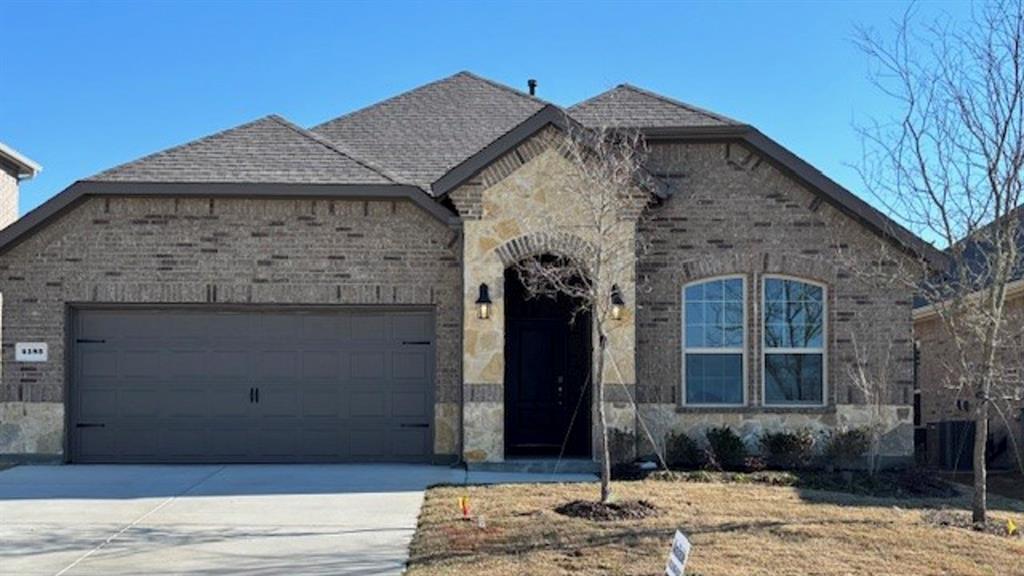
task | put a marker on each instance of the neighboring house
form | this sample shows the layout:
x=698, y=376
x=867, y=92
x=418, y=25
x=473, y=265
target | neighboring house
x=275, y=293
x=14, y=168
x=944, y=411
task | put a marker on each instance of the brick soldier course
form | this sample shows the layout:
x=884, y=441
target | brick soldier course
x=416, y=201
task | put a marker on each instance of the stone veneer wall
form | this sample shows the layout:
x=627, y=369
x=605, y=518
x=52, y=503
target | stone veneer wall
x=8, y=195
x=942, y=399
x=516, y=207
x=219, y=251
x=734, y=212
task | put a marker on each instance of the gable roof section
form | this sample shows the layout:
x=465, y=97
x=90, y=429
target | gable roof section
x=268, y=150
x=627, y=106
x=420, y=135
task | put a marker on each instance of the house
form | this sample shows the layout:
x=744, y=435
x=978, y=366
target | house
x=944, y=414
x=283, y=294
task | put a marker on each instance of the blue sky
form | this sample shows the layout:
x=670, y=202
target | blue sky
x=86, y=86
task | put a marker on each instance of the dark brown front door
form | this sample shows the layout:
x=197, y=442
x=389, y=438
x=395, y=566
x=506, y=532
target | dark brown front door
x=547, y=396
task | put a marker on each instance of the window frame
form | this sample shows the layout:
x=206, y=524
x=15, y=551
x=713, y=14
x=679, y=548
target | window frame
x=742, y=350
x=824, y=342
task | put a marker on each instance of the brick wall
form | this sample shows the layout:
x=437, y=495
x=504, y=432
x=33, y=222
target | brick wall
x=178, y=250
x=735, y=213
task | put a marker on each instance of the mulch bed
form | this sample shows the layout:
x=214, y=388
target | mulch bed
x=963, y=520
x=626, y=510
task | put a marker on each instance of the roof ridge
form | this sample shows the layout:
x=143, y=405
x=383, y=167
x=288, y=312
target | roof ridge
x=504, y=87
x=332, y=146
x=679, y=103
x=181, y=146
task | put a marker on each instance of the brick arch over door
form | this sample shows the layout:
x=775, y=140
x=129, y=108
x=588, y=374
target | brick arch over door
x=537, y=244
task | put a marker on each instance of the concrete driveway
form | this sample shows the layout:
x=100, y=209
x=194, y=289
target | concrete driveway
x=244, y=519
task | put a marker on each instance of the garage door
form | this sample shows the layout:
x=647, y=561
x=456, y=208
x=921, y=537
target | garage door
x=191, y=385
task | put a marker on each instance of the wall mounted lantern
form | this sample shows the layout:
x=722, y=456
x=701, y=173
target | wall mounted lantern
x=617, y=302
x=483, y=303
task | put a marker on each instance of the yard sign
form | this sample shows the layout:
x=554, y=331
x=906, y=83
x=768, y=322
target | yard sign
x=677, y=556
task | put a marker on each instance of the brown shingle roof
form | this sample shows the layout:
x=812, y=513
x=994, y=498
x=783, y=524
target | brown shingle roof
x=268, y=150
x=422, y=134
x=627, y=106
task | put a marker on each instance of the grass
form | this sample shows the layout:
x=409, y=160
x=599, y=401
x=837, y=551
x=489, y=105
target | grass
x=735, y=528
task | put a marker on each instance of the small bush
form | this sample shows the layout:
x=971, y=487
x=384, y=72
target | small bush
x=845, y=449
x=726, y=450
x=788, y=450
x=682, y=452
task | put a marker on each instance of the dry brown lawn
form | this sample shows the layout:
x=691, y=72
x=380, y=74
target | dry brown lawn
x=735, y=529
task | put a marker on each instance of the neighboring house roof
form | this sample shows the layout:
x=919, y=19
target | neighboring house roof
x=24, y=168
x=421, y=134
x=270, y=149
x=627, y=106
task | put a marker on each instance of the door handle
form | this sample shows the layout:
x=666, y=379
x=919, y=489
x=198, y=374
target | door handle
x=257, y=395
x=252, y=395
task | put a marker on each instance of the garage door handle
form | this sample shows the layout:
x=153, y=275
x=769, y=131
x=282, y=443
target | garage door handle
x=89, y=341
x=89, y=425
x=252, y=395
x=415, y=342
x=415, y=425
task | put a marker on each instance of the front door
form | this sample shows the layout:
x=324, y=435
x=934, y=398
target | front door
x=547, y=395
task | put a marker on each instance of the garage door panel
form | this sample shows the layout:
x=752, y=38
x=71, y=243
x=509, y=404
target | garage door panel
x=321, y=364
x=409, y=404
x=189, y=363
x=411, y=327
x=98, y=402
x=410, y=365
x=366, y=404
x=366, y=365
x=95, y=363
x=410, y=441
x=179, y=386
x=227, y=400
x=228, y=363
x=137, y=403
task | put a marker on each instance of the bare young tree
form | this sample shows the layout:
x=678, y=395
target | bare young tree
x=871, y=375
x=949, y=167
x=607, y=184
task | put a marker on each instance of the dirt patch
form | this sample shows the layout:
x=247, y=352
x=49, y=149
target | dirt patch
x=590, y=510
x=959, y=519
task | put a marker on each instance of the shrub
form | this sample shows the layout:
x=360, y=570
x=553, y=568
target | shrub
x=787, y=450
x=846, y=448
x=726, y=450
x=682, y=452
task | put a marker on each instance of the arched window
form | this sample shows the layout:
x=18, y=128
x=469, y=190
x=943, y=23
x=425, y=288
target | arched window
x=714, y=342
x=795, y=313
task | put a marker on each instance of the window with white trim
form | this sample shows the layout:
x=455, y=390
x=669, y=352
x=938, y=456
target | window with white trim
x=714, y=341
x=794, y=342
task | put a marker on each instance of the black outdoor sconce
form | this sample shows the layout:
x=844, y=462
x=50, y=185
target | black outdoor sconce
x=617, y=302
x=483, y=303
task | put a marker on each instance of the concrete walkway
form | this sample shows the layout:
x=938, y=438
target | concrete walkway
x=238, y=519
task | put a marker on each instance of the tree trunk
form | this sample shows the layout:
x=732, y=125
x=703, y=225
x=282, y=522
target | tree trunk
x=602, y=423
x=979, y=505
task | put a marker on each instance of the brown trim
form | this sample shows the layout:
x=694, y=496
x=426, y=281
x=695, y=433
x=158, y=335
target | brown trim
x=77, y=192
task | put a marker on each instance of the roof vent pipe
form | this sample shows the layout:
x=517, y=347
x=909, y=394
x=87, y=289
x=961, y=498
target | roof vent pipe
x=533, y=86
